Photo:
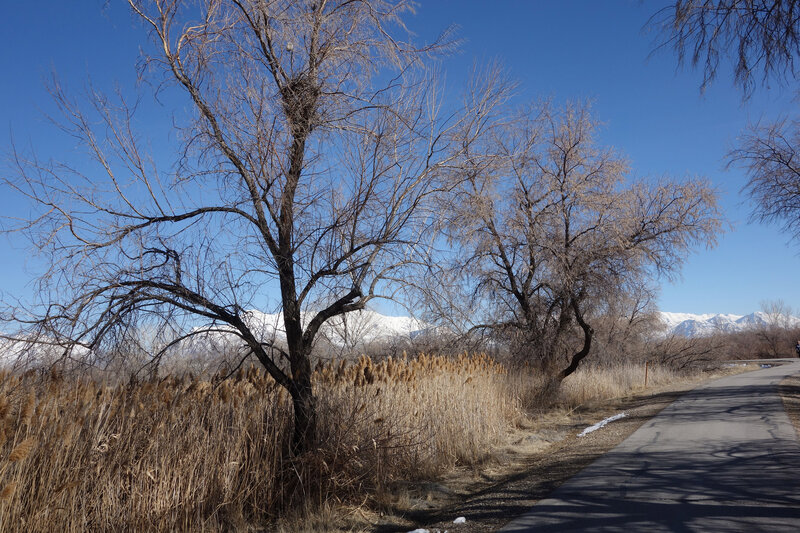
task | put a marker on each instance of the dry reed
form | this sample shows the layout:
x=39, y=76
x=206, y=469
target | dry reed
x=185, y=454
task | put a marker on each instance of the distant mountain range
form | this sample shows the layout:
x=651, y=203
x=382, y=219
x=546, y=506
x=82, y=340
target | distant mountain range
x=358, y=329
x=690, y=325
x=368, y=325
x=352, y=332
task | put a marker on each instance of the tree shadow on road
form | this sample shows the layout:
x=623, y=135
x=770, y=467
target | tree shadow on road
x=722, y=486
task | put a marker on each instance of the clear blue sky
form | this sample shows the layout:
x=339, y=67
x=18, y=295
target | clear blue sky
x=653, y=112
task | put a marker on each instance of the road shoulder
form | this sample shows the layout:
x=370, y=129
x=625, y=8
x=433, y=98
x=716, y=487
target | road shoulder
x=790, y=394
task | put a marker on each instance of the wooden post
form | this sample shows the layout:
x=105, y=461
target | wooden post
x=646, y=365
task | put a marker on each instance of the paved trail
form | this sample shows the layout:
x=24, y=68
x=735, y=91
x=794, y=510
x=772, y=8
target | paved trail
x=724, y=457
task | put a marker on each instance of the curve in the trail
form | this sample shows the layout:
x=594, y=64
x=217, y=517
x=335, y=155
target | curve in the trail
x=723, y=457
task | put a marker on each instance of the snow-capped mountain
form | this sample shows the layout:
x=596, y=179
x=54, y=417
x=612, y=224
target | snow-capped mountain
x=691, y=325
x=352, y=331
x=357, y=327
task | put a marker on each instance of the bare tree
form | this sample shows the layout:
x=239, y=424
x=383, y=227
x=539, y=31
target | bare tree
x=778, y=313
x=776, y=333
x=628, y=322
x=762, y=39
x=770, y=155
x=551, y=229
x=308, y=167
x=351, y=332
x=759, y=37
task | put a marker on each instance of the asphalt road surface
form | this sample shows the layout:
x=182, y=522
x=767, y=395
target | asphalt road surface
x=723, y=457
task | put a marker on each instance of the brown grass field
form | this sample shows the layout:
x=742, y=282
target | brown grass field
x=187, y=454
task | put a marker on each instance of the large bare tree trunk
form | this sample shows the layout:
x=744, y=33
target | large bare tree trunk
x=304, y=437
x=578, y=356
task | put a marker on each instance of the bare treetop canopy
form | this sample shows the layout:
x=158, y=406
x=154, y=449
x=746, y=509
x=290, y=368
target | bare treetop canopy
x=552, y=231
x=761, y=38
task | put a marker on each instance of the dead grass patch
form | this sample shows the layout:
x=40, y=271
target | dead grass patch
x=185, y=454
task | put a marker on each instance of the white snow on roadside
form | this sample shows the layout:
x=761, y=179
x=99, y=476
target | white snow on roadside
x=459, y=520
x=602, y=423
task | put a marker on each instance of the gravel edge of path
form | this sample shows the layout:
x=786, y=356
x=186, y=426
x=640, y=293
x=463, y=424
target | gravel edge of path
x=789, y=390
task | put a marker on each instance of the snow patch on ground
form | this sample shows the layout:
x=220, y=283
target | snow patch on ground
x=602, y=423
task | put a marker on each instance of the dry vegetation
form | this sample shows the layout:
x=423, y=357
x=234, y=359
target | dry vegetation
x=193, y=454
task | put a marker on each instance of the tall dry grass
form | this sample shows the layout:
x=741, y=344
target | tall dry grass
x=187, y=454
x=593, y=384
x=184, y=454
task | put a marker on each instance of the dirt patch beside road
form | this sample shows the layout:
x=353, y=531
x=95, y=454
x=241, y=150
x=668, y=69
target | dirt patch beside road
x=790, y=393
